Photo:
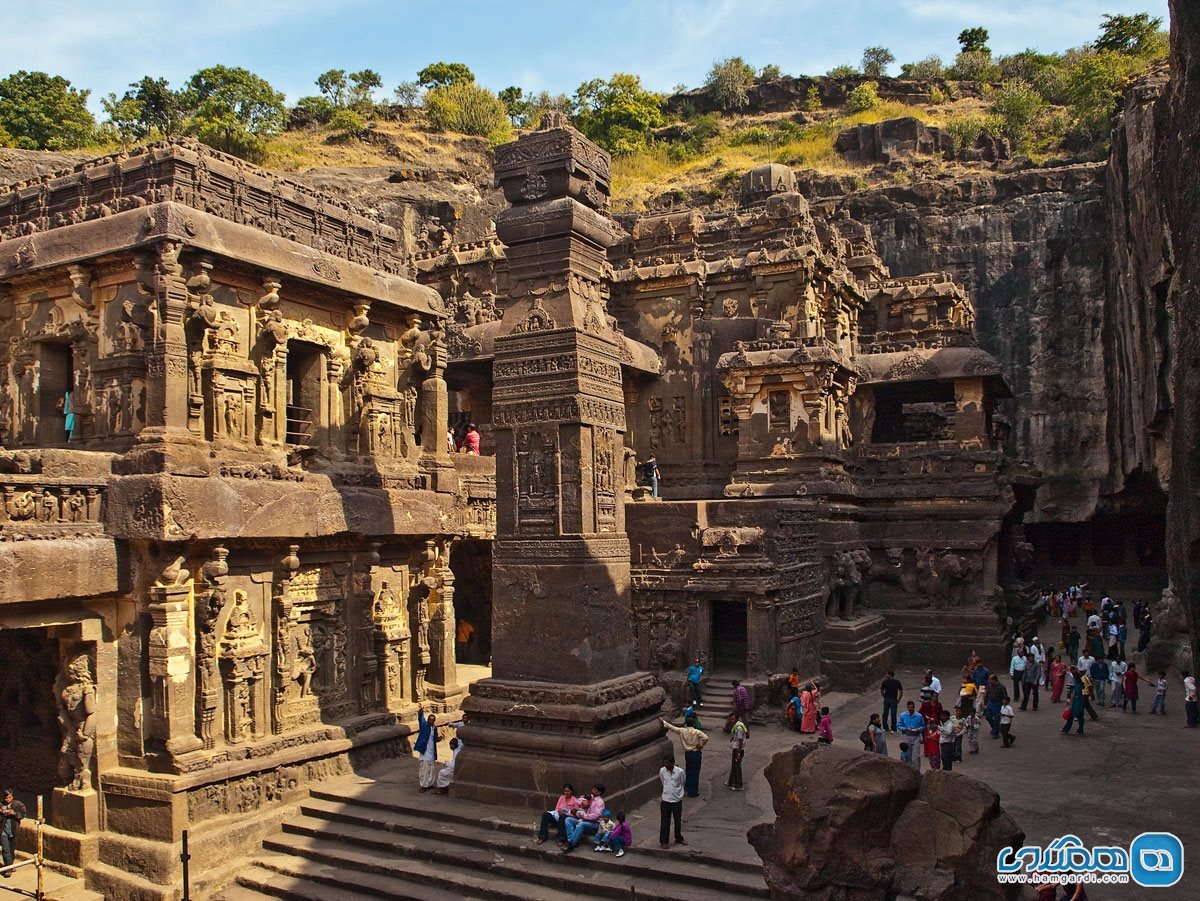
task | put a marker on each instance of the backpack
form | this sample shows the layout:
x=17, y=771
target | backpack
x=867, y=740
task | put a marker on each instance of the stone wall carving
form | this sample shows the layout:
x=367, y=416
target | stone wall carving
x=75, y=693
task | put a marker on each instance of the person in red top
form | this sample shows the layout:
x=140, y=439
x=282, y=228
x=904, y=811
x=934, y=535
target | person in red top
x=932, y=709
x=1131, y=688
x=470, y=441
x=933, y=744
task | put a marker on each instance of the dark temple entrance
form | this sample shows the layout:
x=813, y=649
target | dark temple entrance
x=29, y=733
x=729, y=636
x=471, y=562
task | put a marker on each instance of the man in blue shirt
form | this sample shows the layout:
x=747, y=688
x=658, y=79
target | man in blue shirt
x=912, y=726
x=694, y=674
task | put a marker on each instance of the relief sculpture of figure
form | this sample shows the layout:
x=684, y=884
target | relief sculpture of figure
x=306, y=662
x=76, y=696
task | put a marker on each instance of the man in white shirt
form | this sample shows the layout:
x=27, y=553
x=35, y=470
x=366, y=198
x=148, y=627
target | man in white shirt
x=1116, y=681
x=671, y=806
x=1085, y=662
x=1189, y=700
x=1016, y=671
x=934, y=682
x=1006, y=717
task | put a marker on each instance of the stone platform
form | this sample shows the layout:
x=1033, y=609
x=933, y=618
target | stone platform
x=856, y=653
x=945, y=637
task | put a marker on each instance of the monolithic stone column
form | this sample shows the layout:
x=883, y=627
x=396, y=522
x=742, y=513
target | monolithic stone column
x=565, y=700
x=172, y=673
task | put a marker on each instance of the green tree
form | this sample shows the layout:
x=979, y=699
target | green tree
x=727, y=82
x=925, y=69
x=43, y=112
x=843, y=71
x=618, y=114
x=468, y=109
x=347, y=125
x=543, y=102
x=875, y=61
x=233, y=110
x=863, y=97
x=125, y=117
x=333, y=85
x=313, y=109
x=1093, y=87
x=975, y=65
x=1131, y=35
x=812, y=99
x=361, y=85
x=973, y=40
x=408, y=94
x=441, y=74
x=1017, y=106
x=770, y=72
x=515, y=104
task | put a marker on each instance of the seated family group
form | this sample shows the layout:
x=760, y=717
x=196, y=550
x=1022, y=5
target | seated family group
x=578, y=816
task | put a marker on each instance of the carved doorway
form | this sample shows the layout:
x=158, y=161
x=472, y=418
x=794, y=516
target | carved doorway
x=471, y=562
x=729, y=636
x=29, y=733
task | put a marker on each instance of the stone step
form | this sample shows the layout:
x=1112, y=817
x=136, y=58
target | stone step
x=512, y=840
x=298, y=879
x=507, y=874
x=399, y=804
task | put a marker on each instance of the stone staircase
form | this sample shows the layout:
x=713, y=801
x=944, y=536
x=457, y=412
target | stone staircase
x=382, y=844
x=857, y=653
x=944, y=638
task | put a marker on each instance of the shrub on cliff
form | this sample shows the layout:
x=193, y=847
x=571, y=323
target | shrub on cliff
x=468, y=109
x=618, y=114
x=925, y=69
x=1017, y=107
x=727, y=82
x=863, y=97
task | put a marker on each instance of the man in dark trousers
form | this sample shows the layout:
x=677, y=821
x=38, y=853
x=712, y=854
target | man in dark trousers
x=11, y=814
x=671, y=807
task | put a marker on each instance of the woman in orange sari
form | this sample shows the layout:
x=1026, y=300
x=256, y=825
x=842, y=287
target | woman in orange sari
x=809, y=704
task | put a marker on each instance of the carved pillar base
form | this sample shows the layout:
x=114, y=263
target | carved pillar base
x=75, y=811
x=524, y=739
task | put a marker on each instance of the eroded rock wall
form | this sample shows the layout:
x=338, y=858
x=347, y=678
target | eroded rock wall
x=1031, y=247
x=1179, y=155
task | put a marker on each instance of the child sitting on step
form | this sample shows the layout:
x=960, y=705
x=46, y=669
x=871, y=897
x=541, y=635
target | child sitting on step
x=618, y=838
x=604, y=828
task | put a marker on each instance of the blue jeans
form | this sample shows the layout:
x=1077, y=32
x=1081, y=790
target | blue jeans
x=653, y=486
x=991, y=713
x=1067, y=725
x=889, y=714
x=1160, y=704
x=577, y=829
x=616, y=842
x=552, y=817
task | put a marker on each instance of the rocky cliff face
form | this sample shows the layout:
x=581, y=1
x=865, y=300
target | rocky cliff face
x=1030, y=245
x=1178, y=153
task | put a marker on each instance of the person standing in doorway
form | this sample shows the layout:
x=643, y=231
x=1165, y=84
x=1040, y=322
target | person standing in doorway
x=693, y=741
x=671, y=806
x=464, y=635
x=738, y=736
x=11, y=814
x=694, y=674
x=650, y=474
x=891, y=691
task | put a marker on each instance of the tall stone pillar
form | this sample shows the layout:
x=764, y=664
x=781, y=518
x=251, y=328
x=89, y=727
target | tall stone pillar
x=565, y=701
x=172, y=719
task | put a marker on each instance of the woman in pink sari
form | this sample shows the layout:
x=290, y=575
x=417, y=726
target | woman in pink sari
x=809, y=703
x=1058, y=675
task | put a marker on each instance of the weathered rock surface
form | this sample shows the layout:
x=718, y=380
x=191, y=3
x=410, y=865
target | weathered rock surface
x=1030, y=247
x=858, y=827
x=1179, y=152
x=893, y=140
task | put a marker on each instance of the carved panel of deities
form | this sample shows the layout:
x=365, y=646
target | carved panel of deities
x=318, y=597
x=537, y=482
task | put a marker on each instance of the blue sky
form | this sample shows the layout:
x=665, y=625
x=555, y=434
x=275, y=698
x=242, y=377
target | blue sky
x=541, y=44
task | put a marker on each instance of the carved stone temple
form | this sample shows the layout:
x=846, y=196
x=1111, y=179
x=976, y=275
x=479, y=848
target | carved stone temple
x=235, y=545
